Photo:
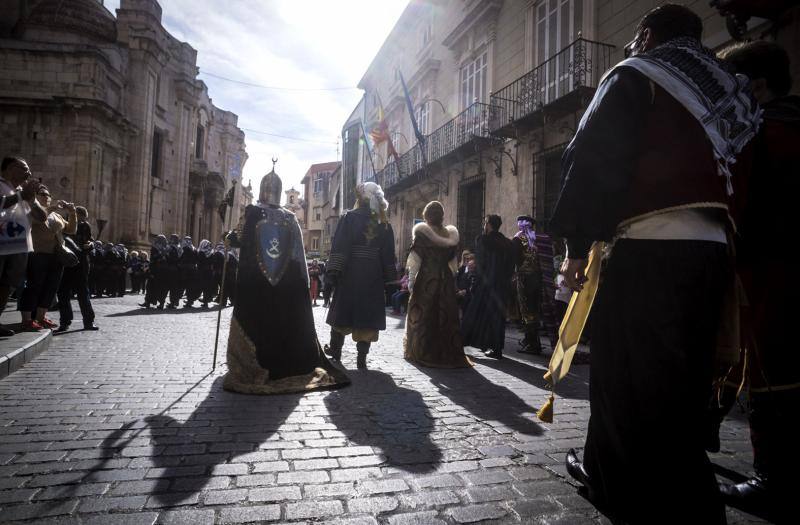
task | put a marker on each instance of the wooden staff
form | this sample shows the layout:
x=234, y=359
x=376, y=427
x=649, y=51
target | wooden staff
x=221, y=306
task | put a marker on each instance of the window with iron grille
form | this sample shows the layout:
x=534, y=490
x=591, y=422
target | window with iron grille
x=319, y=181
x=427, y=33
x=558, y=24
x=548, y=184
x=472, y=81
x=470, y=210
x=422, y=116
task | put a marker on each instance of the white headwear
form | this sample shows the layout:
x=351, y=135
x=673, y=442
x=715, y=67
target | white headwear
x=373, y=192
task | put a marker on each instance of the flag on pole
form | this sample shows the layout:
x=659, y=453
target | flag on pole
x=369, y=148
x=380, y=132
x=227, y=202
x=413, y=117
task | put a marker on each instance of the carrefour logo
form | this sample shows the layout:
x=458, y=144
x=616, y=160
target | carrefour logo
x=11, y=229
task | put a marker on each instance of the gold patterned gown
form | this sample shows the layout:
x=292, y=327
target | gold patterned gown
x=432, y=326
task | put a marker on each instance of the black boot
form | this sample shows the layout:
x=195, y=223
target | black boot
x=363, y=350
x=335, y=348
x=751, y=496
x=531, y=344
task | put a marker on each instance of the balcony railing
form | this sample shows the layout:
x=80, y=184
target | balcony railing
x=466, y=126
x=579, y=65
x=456, y=133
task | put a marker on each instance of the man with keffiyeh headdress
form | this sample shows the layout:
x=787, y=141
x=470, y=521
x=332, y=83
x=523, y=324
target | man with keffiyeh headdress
x=649, y=170
x=362, y=260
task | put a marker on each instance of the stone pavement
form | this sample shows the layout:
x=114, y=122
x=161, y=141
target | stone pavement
x=129, y=426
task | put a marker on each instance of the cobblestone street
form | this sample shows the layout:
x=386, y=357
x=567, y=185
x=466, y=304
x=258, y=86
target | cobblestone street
x=129, y=426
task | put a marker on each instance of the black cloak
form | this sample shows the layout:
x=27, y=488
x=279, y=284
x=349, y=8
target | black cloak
x=273, y=346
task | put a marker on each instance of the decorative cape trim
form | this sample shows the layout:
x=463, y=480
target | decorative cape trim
x=435, y=237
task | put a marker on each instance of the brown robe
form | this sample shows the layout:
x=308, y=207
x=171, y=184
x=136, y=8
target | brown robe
x=432, y=325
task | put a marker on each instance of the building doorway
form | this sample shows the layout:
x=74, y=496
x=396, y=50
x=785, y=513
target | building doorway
x=470, y=210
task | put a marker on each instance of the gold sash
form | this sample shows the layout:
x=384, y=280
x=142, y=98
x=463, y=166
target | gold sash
x=569, y=333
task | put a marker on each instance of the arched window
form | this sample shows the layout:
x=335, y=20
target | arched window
x=200, y=139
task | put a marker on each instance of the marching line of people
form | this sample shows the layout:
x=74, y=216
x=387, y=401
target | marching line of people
x=177, y=270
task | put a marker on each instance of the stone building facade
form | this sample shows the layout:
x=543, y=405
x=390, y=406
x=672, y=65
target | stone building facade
x=498, y=88
x=111, y=115
x=316, y=182
x=295, y=204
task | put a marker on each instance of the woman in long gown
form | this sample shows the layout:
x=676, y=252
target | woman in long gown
x=432, y=326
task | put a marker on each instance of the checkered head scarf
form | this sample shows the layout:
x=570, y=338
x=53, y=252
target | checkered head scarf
x=721, y=101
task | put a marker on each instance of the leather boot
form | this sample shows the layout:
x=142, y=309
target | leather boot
x=531, y=344
x=335, y=348
x=750, y=496
x=575, y=468
x=361, y=360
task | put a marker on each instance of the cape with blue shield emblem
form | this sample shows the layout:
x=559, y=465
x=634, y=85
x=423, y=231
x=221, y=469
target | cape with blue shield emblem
x=272, y=345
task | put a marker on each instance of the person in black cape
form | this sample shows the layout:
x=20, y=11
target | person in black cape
x=362, y=261
x=206, y=287
x=484, y=323
x=771, y=368
x=272, y=344
x=158, y=284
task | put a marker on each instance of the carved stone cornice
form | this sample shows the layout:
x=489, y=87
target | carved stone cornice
x=477, y=12
x=429, y=66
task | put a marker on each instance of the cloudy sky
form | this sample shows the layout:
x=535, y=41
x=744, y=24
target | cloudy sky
x=298, y=44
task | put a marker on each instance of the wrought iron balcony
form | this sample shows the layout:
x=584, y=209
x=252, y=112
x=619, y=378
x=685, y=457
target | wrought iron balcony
x=458, y=136
x=562, y=84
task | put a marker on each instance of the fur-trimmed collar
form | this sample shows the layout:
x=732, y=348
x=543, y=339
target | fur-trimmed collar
x=435, y=237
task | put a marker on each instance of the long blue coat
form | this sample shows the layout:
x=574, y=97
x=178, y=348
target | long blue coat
x=362, y=260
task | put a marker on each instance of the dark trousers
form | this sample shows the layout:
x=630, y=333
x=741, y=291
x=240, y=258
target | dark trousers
x=157, y=289
x=210, y=289
x=654, y=329
x=400, y=300
x=327, y=289
x=137, y=282
x=43, y=277
x=75, y=280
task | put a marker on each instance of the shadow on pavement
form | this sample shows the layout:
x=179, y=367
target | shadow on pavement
x=165, y=311
x=374, y=411
x=484, y=399
x=533, y=375
x=239, y=422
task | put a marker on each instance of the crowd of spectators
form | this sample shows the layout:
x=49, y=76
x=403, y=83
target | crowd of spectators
x=48, y=256
x=44, y=247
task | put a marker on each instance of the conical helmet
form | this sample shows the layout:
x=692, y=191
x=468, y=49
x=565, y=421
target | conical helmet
x=271, y=188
